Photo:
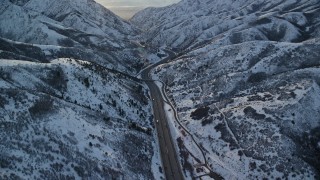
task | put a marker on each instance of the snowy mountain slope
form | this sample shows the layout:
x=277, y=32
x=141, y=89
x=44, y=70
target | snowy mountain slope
x=85, y=16
x=189, y=24
x=254, y=107
x=34, y=52
x=67, y=110
x=23, y=51
x=245, y=84
x=80, y=25
x=72, y=119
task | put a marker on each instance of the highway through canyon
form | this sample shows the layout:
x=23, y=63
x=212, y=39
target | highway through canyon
x=170, y=159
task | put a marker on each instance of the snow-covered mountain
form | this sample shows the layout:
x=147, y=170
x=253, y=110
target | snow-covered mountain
x=81, y=15
x=190, y=24
x=79, y=25
x=245, y=84
x=253, y=106
x=67, y=110
x=72, y=119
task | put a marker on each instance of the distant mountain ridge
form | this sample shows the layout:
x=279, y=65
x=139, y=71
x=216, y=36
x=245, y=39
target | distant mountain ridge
x=191, y=23
x=77, y=25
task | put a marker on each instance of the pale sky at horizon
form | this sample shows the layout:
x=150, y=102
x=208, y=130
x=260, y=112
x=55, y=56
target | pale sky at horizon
x=127, y=8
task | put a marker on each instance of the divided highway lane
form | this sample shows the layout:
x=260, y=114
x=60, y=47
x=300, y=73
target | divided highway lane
x=170, y=160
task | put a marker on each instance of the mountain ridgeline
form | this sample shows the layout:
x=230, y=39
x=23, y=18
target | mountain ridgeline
x=244, y=81
x=191, y=24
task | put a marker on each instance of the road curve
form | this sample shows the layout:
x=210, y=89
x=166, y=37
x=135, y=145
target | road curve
x=170, y=160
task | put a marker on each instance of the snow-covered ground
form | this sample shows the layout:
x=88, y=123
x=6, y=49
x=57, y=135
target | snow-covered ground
x=249, y=114
x=73, y=119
